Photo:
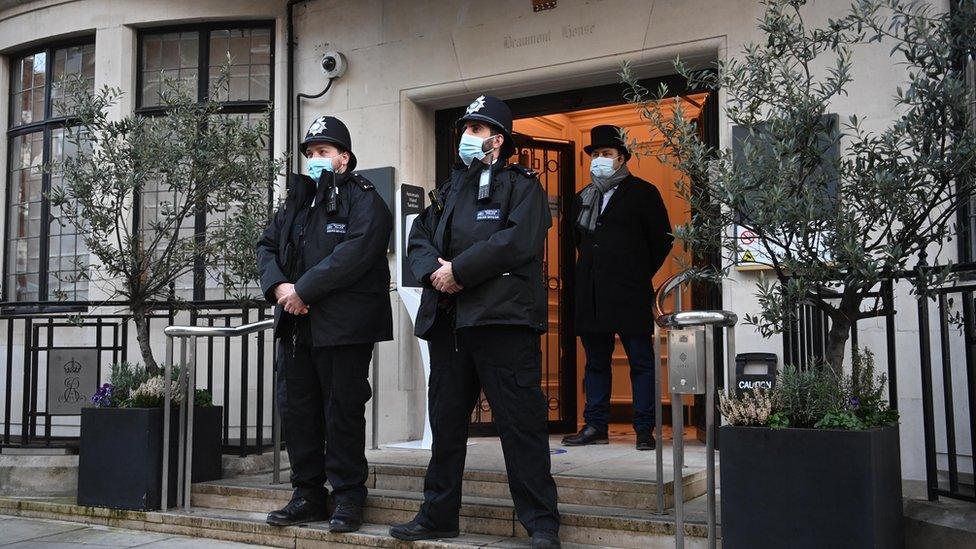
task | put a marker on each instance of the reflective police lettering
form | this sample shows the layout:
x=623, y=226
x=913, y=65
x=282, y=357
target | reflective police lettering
x=337, y=228
x=491, y=213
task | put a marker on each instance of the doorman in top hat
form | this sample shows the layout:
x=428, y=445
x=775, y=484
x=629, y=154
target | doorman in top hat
x=623, y=236
x=478, y=251
x=323, y=261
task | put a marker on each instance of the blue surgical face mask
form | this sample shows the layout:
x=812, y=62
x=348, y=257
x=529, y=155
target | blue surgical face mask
x=469, y=149
x=318, y=164
x=601, y=168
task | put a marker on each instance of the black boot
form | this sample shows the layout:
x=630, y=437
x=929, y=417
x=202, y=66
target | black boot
x=645, y=440
x=298, y=511
x=587, y=435
x=347, y=517
x=545, y=539
x=412, y=531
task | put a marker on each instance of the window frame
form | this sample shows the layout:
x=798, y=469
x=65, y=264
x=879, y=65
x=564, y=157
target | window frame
x=203, y=64
x=49, y=124
x=204, y=31
x=965, y=216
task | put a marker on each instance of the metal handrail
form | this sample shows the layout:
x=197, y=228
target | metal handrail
x=683, y=319
x=680, y=318
x=218, y=331
x=187, y=381
x=698, y=318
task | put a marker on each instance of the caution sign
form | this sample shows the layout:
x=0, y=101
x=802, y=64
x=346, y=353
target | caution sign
x=753, y=253
x=751, y=250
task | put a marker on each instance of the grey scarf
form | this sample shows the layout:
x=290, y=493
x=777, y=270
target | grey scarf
x=592, y=197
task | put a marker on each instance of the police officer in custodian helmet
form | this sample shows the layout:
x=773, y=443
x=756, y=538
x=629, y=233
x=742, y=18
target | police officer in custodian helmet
x=323, y=261
x=478, y=251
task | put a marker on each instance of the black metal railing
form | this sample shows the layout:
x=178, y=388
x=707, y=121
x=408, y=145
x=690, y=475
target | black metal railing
x=240, y=365
x=957, y=318
x=948, y=391
x=805, y=337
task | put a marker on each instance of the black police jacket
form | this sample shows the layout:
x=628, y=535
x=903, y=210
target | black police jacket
x=341, y=272
x=617, y=261
x=496, y=247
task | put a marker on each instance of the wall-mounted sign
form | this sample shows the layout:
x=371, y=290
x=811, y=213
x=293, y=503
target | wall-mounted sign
x=72, y=379
x=382, y=179
x=752, y=252
x=411, y=204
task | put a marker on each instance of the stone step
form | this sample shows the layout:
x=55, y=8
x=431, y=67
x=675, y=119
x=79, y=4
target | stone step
x=249, y=527
x=603, y=526
x=578, y=490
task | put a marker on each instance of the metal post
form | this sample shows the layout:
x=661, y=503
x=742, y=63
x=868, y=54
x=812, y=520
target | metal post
x=730, y=381
x=167, y=396
x=928, y=412
x=376, y=396
x=678, y=447
x=188, y=401
x=275, y=428
x=887, y=288
x=181, y=428
x=710, y=432
x=658, y=423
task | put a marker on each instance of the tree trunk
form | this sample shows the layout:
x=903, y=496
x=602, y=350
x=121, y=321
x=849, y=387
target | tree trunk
x=840, y=331
x=142, y=336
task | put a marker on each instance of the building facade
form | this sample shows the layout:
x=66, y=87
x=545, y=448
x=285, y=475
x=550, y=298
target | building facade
x=412, y=67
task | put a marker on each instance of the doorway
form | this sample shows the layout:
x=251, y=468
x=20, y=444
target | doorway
x=550, y=133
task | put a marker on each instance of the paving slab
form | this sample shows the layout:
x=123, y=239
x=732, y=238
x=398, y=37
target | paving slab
x=17, y=529
x=102, y=536
x=31, y=533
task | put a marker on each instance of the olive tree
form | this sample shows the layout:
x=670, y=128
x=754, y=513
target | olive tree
x=837, y=203
x=205, y=165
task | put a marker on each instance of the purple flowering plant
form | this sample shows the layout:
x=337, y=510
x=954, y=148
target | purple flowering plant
x=103, y=396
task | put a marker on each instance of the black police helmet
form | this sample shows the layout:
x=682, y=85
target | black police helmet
x=329, y=129
x=606, y=135
x=494, y=111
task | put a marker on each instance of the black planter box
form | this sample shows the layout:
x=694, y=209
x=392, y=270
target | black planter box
x=120, y=462
x=814, y=488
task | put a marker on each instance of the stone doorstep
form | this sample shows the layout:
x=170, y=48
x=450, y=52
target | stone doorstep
x=620, y=527
x=494, y=484
x=247, y=527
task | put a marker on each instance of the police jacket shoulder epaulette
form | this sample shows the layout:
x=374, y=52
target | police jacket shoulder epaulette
x=362, y=182
x=523, y=171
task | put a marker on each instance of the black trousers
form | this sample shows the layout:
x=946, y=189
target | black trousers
x=322, y=395
x=505, y=362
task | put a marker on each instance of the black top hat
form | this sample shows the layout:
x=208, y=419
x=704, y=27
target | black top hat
x=329, y=129
x=607, y=135
x=494, y=111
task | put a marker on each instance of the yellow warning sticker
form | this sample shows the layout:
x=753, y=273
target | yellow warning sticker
x=748, y=257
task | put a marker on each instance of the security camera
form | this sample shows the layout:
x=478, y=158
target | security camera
x=333, y=64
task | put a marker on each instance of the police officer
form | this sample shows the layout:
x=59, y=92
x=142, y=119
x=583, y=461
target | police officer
x=478, y=251
x=623, y=236
x=323, y=261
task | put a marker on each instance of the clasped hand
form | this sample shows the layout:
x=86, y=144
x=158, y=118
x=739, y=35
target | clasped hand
x=443, y=278
x=289, y=299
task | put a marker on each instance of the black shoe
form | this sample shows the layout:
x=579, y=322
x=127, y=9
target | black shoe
x=545, y=539
x=587, y=435
x=347, y=517
x=298, y=511
x=645, y=441
x=412, y=531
